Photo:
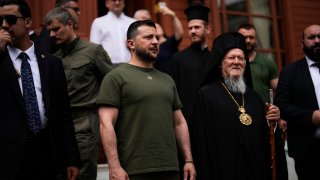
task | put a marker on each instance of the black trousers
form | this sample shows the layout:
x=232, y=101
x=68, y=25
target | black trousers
x=309, y=167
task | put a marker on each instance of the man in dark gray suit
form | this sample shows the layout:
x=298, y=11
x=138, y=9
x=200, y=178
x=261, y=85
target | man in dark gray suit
x=36, y=132
x=298, y=97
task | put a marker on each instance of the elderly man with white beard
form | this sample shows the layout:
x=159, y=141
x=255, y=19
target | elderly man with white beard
x=228, y=120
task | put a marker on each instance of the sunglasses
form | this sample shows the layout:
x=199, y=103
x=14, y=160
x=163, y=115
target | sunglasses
x=76, y=9
x=10, y=19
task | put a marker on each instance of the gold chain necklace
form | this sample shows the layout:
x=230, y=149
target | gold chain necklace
x=244, y=117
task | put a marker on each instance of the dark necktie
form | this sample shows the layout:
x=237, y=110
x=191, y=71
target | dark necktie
x=29, y=95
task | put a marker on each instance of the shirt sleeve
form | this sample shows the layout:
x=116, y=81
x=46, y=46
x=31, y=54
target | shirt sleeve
x=110, y=91
x=176, y=101
x=95, y=32
x=273, y=70
x=102, y=61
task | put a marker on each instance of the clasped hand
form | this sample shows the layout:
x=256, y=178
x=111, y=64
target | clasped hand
x=273, y=113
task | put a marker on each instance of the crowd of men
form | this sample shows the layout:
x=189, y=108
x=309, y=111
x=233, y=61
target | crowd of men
x=205, y=115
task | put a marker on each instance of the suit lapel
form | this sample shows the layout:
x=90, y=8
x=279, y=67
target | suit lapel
x=309, y=86
x=12, y=76
x=44, y=77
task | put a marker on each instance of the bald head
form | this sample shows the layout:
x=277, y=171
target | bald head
x=311, y=42
x=312, y=29
x=142, y=14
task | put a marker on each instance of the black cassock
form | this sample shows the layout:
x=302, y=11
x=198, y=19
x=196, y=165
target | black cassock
x=222, y=147
x=188, y=70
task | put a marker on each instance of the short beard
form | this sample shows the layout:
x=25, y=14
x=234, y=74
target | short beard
x=198, y=43
x=310, y=52
x=144, y=56
x=252, y=49
x=235, y=85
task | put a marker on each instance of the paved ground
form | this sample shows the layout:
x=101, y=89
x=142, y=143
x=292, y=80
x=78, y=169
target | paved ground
x=103, y=173
x=290, y=162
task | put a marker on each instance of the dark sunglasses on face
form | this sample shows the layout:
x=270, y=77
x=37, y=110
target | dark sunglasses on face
x=76, y=9
x=10, y=19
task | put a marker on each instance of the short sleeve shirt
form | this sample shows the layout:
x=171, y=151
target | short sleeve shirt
x=263, y=70
x=146, y=99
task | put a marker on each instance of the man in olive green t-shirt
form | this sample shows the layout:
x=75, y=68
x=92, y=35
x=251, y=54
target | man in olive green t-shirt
x=140, y=115
x=264, y=71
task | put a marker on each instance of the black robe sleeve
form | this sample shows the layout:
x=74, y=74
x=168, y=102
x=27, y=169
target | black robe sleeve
x=198, y=137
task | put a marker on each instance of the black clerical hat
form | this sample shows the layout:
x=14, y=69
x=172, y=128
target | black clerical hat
x=221, y=45
x=197, y=12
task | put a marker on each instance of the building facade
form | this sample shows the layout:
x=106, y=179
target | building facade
x=279, y=22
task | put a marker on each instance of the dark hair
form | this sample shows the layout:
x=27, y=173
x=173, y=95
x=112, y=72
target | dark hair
x=60, y=3
x=23, y=6
x=246, y=26
x=132, y=30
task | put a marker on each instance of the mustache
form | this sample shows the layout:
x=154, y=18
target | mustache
x=194, y=34
x=317, y=44
x=154, y=47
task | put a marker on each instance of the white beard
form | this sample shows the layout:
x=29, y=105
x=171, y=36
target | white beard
x=235, y=85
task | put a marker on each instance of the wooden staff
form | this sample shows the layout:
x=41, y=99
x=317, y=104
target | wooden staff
x=272, y=126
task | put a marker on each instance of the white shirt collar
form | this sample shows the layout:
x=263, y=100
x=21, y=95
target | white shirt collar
x=113, y=15
x=14, y=52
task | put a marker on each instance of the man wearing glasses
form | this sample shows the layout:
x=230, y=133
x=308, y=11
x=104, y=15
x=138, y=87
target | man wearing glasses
x=228, y=121
x=36, y=132
x=73, y=6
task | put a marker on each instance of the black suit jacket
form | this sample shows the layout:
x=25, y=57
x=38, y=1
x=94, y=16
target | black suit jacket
x=296, y=98
x=13, y=128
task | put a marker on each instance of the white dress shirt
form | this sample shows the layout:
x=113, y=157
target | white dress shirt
x=111, y=32
x=14, y=53
x=315, y=76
